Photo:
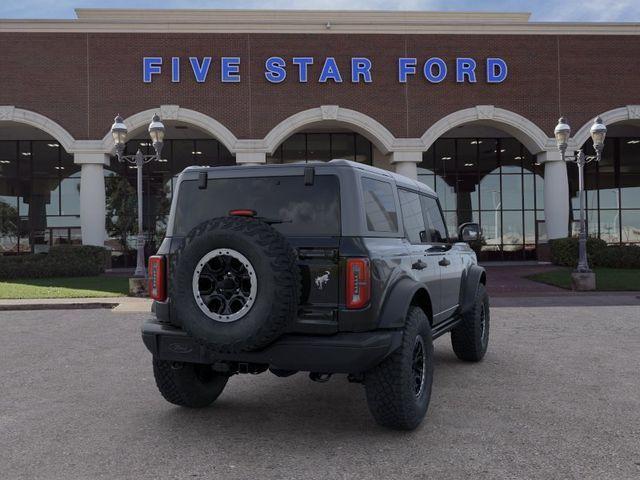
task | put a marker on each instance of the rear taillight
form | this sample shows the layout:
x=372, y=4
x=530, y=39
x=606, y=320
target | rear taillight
x=358, y=282
x=157, y=278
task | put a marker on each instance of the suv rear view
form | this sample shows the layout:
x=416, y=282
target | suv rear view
x=283, y=268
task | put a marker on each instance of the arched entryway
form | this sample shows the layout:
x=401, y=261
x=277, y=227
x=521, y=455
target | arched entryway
x=39, y=184
x=329, y=132
x=483, y=164
x=612, y=186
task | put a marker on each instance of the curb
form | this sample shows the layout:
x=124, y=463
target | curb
x=58, y=306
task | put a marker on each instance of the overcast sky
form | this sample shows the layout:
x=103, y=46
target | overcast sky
x=542, y=10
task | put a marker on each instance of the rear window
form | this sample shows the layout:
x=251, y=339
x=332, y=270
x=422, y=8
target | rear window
x=311, y=210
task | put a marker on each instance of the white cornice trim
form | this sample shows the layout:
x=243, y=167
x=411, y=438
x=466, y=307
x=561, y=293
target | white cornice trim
x=301, y=21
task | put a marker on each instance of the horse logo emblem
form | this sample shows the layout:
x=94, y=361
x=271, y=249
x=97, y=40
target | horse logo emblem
x=322, y=280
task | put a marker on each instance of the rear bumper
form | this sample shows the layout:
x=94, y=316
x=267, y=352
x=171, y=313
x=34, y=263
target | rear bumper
x=339, y=353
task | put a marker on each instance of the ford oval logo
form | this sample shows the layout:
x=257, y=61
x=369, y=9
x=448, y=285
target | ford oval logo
x=180, y=348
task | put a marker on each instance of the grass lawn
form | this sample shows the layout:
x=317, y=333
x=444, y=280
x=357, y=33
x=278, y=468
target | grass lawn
x=71, y=287
x=607, y=279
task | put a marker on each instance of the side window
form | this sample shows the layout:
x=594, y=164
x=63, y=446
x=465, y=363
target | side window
x=412, y=216
x=436, y=229
x=380, y=206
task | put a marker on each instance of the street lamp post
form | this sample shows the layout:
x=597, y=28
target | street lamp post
x=598, y=132
x=156, y=132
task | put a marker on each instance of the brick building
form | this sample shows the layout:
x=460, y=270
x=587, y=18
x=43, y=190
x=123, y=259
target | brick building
x=465, y=102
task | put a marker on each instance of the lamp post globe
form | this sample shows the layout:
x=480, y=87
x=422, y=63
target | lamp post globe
x=598, y=132
x=156, y=132
x=562, y=133
x=119, y=133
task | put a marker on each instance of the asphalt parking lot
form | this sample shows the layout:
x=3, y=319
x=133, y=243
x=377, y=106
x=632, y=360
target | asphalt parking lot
x=558, y=396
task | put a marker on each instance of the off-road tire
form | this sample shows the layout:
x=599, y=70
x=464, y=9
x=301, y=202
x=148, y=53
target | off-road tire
x=390, y=386
x=278, y=283
x=469, y=339
x=190, y=385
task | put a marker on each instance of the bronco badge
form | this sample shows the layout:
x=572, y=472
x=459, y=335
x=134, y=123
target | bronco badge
x=322, y=280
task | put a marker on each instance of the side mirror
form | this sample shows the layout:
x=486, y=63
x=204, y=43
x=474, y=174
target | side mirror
x=469, y=232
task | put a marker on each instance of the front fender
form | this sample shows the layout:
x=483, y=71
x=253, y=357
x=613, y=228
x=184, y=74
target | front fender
x=395, y=308
x=475, y=275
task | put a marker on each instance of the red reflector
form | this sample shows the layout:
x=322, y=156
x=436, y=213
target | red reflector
x=157, y=278
x=242, y=213
x=358, y=282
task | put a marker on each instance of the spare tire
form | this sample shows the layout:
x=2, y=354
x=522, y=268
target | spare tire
x=236, y=284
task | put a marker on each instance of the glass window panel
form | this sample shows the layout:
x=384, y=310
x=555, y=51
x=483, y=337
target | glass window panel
x=318, y=147
x=435, y=223
x=467, y=192
x=630, y=190
x=529, y=192
x=610, y=226
x=512, y=231
x=512, y=192
x=294, y=148
x=412, y=218
x=427, y=179
x=461, y=216
x=488, y=157
x=445, y=153
x=491, y=229
x=276, y=156
x=428, y=159
x=511, y=155
x=182, y=155
x=226, y=158
x=207, y=152
x=60, y=236
x=67, y=167
x=629, y=156
x=529, y=162
x=380, y=206
x=42, y=199
x=446, y=192
x=363, y=150
x=592, y=222
x=70, y=196
x=452, y=220
x=8, y=159
x=66, y=221
x=24, y=159
x=606, y=180
x=539, y=181
x=45, y=159
x=467, y=154
x=75, y=236
x=490, y=192
x=343, y=145
x=631, y=226
x=530, y=227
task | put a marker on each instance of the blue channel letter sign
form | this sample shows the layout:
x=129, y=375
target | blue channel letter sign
x=326, y=70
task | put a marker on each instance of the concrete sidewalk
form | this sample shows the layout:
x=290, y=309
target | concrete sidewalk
x=117, y=304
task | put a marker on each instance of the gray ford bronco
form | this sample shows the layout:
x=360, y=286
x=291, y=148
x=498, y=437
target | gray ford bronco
x=326, y=268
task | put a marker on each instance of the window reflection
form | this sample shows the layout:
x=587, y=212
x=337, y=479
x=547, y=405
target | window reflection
x=39, y=196
x=483, y=180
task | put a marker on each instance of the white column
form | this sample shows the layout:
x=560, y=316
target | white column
x=406, y=163
x=556, y=194
x=251, y=158
x=92, y=197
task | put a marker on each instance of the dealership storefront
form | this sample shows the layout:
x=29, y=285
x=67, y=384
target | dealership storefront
x=465, y=103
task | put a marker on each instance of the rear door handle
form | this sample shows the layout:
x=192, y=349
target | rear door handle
x=419, y=265
x=444, y=262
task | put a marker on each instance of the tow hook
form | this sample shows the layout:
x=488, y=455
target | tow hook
x=320, y=377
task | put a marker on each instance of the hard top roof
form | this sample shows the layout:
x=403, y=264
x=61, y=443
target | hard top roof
x=400, y=180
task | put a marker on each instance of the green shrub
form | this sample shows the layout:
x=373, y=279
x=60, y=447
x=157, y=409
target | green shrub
x=565, y=252
x=618, y=256
x=61, y=261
